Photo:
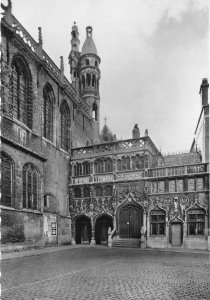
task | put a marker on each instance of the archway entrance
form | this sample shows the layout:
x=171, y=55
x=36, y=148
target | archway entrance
x=83, y=230
x=101, y=229
x=130, y=221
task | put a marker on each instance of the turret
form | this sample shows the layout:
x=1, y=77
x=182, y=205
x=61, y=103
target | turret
x=89, y=76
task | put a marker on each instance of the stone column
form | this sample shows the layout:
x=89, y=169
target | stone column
x=73, y=232
x=167, y=232
x=92, y=242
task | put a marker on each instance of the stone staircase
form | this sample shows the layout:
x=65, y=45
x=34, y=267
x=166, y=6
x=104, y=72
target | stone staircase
x=127, y=243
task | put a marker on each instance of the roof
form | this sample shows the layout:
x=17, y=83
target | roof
x=89, y=45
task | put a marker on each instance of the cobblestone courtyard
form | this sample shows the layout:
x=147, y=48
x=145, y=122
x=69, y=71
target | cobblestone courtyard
x=103, y=273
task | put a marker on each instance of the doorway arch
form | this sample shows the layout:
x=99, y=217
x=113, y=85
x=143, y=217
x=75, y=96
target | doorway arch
x=130, y=221
x=101, y=229
x=83, y=230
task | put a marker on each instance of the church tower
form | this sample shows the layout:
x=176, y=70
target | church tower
x=89, y=76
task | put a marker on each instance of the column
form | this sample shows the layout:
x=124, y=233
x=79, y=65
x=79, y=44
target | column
x=92, y=242
x=73, y=231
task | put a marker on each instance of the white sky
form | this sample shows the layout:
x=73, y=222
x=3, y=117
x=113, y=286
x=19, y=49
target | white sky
x=154, y=54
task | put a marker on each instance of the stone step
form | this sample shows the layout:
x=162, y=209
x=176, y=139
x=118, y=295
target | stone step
x=127, y=243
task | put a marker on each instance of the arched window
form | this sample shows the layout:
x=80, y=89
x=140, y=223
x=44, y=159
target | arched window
x=86, y=168
x=49, y=100
x=96, y=63
x=157, y=222
x=108, y=165
x=93, y=80
x=119, y=165
x=83, y=82
x=87, y=62
x=99, y=166
x=95, y=112
x=78, y=169
x=88, y=79
x=124, y=163
x=30, y=186
x=77, y=192
x=86, y=192
x=6, y=179
x=128, y=163
x=21, y=92
x=99, y=191
x=65, y=126
x=108, y=190
x=133, y=163
x=195, y=221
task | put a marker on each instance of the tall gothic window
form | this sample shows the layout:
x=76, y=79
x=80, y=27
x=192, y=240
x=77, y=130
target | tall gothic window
x=48, y=111
x=21, y=90
x=65, y=126
x=195, y=221
x=157, y=222
x=6, y=179
x=30, y=186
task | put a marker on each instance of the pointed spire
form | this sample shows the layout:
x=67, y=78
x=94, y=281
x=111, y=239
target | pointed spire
x=40, y=43
x=40, y=35
x=61, y=69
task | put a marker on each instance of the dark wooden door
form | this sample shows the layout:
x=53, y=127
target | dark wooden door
x=130, y=222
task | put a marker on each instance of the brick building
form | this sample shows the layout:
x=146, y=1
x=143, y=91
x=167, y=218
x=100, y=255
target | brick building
x=64, y=182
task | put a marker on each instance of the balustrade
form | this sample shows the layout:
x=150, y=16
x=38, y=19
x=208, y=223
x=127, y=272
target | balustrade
x=178, y=170
x=113, y=147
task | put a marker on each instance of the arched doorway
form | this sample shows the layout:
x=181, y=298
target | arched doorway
x=101, y=229
x=83, y=230
x=130, y=221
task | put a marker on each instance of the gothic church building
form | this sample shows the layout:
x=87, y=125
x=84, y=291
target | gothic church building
x=65, y=182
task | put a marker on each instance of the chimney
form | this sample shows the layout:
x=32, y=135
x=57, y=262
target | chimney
x=204, y=91
x=136, y=132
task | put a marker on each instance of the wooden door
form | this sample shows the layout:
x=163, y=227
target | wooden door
x=176, y=230
x=124, y=223
x=130, y=222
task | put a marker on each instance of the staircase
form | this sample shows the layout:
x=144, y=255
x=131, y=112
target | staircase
x=127, y=243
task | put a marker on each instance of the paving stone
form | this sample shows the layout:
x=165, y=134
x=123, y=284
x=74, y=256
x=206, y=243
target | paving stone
x=103, y=274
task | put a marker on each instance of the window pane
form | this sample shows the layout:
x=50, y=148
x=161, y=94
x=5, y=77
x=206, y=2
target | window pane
x=200, y=228
x=154, y=228
x=191, y=228
x=162, y=228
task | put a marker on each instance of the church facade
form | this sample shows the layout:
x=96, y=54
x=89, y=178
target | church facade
x=64, y=182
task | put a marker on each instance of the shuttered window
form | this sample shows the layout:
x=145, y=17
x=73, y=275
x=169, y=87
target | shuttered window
x=6, y=179
x=30, y=186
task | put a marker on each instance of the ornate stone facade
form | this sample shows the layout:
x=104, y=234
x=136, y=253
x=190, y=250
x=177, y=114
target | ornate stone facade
x=96, y=184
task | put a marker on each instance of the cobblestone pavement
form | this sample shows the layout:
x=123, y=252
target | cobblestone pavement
x=98, y=273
